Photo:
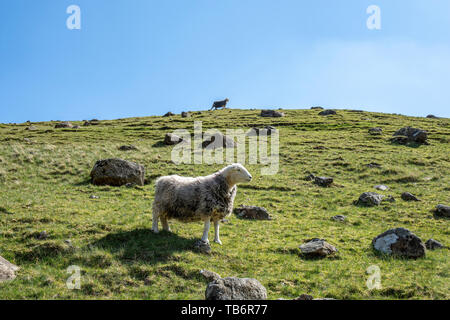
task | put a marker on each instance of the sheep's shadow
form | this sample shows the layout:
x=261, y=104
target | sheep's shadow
x=144, y=245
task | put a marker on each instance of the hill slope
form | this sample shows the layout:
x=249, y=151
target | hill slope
x=44, y=185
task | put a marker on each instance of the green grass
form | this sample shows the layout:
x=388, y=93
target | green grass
x=44, y=185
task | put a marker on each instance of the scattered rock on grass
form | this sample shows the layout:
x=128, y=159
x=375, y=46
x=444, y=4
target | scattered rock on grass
x=168, y=114
x=252, y=212
x=409, y=197
x=233, y=288
x=117, y=172
x=317, y=248
x=203, y=247
x=42, y=235
x=218, y=140
x=432, y=244
x=327, y=113
x=31, y=128
x=443, y=211
x=369, y=199
x=409, y=134
x=65, y=124
x=317, y=108
x=185, y=114
x=172, y=139
x=381, y=187
x=128, y=148
x=210, y=275
x=375, y=131
x=323, y=181
x=271, y=113
x=7, y=270
x=339, y=218
x=399, y=242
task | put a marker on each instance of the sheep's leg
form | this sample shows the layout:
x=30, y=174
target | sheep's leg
x=155, y=221
x=216, y=232
x=165, y=224
x=206, y=230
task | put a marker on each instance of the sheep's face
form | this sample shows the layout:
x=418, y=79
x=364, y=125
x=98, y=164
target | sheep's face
x=236, y=173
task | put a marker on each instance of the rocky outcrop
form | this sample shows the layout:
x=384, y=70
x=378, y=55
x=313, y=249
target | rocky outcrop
x=399, y=242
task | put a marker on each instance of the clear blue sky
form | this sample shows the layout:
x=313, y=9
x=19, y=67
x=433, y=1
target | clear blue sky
x=147, y=57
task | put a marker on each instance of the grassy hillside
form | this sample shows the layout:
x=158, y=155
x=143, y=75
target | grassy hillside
x=44, y=185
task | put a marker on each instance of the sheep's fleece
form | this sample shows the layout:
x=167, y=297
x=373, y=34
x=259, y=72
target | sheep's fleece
x=205, y=199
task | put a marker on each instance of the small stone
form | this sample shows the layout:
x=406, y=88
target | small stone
x=168, y=114
x=253, y=213
x=310, y=177
x=304, y=297
x=317, y=248
x=94, y=197
x=172, y=139
x=433, y=244
x=65, y=124
x=185, y=114
x=31, y=128
x=210, y=275
x=203, y=247
x=409, y=197
x=374, y=165
x=68, y=242
x=327, y=113
x=323, y=181
x=443, y=211
x=271, y=113
x=381, y=187
x=369, y=199
x=233, y=288
x=128, y=148
x=375, y=131
x=339, y=218
x=43, y=235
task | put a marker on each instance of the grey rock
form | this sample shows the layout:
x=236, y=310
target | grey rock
x=94, y=197
x=339, y=218
x=304, y=297
x=432, y=244
x=7, y=270
x=185, y=114
x=310, y=177
x=267, y=130
x=233, y=288
x=203, y=247
x=128, y=148
x=65, y=124
x=272, y=113
x=431, y=116
x=409, y=134
x=327, y=113
x=370, y=199
x=399, y=242
x=252, y=212
x=168, y=114
x=381, y=187
x=317, y=248
x=409, y=197
x=172, y=139
x=31, y=128
x=374, y=165
x=375, y=131
x=210, y=275
x=117, y=172
x=323, y=181
x=42, y=235
x=442, y=210
x=218, y=140
x=317, y=108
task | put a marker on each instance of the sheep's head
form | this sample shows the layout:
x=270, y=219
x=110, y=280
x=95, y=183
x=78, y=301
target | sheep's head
x=236, y=173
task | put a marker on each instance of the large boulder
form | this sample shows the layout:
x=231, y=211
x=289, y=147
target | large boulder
x=272, y=113
x=233, y=288
x=409, y=134
x=7, y=270
x=252, y=212
x=218, y=140
x=317, y=248
x=117, y=172
x=399, y=242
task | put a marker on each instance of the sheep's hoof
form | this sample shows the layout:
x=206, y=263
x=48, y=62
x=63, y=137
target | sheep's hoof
x=218, y=241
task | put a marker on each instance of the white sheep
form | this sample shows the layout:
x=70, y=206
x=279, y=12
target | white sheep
x=205, y=199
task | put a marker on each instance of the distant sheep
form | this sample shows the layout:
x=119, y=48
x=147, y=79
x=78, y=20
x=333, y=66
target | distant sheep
x=204, y=199
x=219, y=104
